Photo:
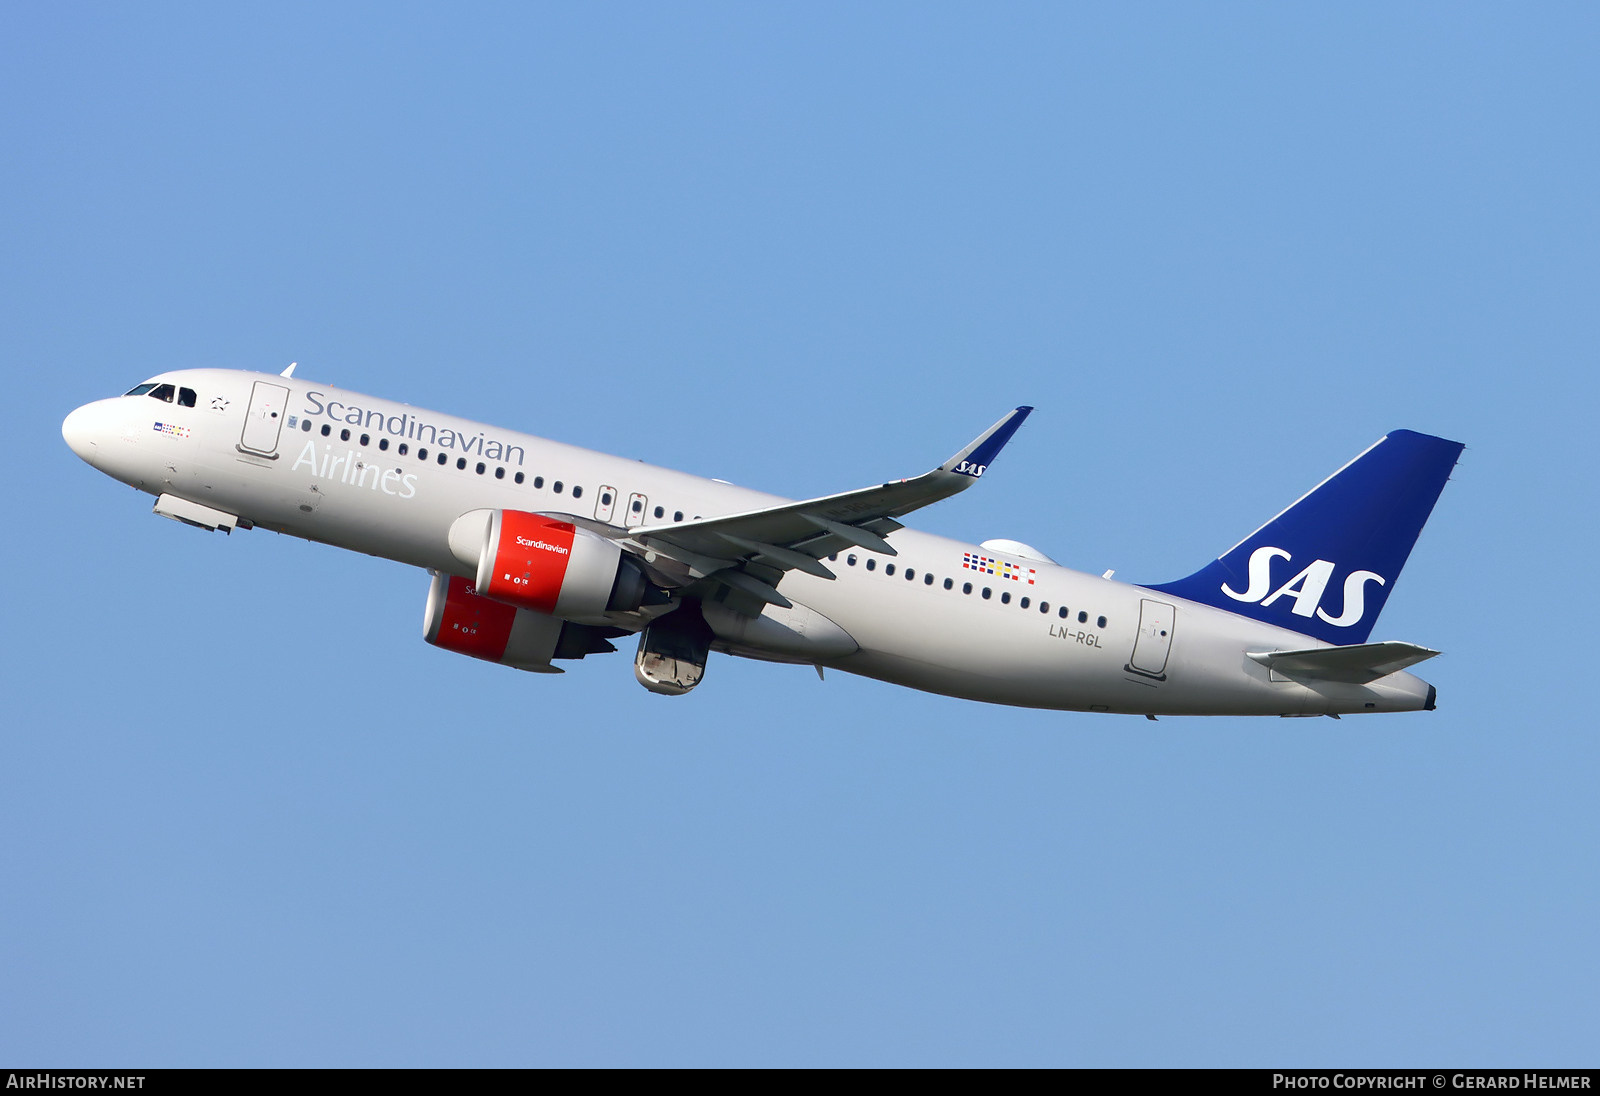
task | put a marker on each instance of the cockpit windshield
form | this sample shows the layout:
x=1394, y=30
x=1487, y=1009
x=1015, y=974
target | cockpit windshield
x=183, y=397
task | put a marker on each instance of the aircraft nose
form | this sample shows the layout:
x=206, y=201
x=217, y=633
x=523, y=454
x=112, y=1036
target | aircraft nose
x=83, y=428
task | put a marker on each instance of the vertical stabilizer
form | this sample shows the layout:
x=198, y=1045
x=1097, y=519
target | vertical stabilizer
x=1326, y=565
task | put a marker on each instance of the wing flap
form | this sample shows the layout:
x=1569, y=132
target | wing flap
x=1355, y=664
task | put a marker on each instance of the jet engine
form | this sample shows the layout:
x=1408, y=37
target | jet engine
x=460, y=620
x=550, y=566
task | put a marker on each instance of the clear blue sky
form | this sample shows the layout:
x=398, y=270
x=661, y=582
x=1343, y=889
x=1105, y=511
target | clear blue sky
x=247, y=817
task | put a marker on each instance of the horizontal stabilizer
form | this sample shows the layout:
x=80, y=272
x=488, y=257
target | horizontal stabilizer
x=1357, y=664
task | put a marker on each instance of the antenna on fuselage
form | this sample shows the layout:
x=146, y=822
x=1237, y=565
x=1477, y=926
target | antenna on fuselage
x=290, y=371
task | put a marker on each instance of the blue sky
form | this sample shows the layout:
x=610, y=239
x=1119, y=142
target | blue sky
x=248, y=818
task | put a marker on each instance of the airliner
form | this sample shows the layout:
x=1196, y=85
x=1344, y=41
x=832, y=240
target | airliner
x=541, y=552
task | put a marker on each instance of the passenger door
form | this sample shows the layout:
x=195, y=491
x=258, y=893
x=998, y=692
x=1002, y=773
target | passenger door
x=1154, y=642
x=264, y=419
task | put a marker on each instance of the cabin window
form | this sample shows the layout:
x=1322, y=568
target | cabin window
x=910, y=575
x=1083, y=618
x=305, y=424
x=851, y=560
x=948, y=583
x=605, y=498
x=326, y=429
x=556, y=487
x=383, y=444
x=404, y=448
x=1063, y=613
x=577, y=492
x=638, y=506
x=344, y=435
x=538, y=481
x=1023, y=604
x=888, y=569
x=966, y=587
x=927, y=579
x=461, y=464
x=660, y=513
x=872, y=565
x=499, y=473
x=1100, y=622
x=1005, y=598
x=480, y=468
x=517, y=477
x=987, y=593
x=443, y=459
x=677, y=515
x=365, y=438
x=1044, y=606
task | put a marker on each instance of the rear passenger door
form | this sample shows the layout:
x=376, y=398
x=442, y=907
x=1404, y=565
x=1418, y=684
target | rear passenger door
x=1154, y=642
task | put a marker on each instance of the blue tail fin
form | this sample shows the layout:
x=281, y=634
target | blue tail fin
x=1326, y=565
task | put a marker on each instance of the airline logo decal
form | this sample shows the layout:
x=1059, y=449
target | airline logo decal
x=988, y=565
x=1306, y=587
x=174, y=431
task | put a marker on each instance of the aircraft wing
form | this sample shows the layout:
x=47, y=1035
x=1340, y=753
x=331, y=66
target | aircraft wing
x=1358, y=663
x=750, y=552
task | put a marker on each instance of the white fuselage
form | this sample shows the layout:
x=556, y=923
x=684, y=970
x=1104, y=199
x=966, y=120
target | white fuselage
x=1044, y=636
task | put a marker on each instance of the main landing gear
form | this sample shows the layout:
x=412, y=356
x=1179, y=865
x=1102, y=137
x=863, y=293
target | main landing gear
x=673, y=650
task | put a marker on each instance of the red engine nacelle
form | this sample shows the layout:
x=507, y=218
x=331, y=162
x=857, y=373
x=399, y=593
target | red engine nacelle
x=547, y=565
x=459, y=620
